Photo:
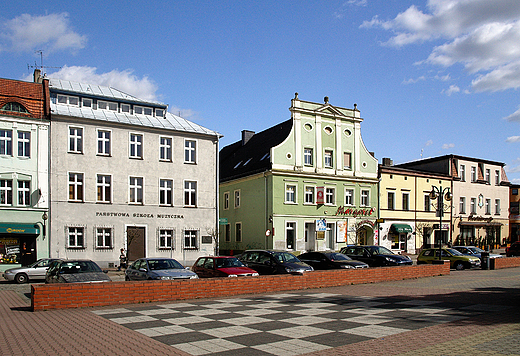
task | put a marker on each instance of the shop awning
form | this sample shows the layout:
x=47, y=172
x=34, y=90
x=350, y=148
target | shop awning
x=14, y=228
x=401, y=228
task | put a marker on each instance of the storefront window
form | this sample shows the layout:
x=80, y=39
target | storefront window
x=9, y=250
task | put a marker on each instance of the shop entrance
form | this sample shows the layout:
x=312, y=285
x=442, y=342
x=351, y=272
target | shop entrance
x=135, y=242
x=310, y=236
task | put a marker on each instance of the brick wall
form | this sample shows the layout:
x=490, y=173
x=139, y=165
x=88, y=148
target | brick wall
x=504, y=262
x=77, y=295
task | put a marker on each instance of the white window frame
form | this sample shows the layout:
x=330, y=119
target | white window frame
x=136, y=145
x=307, y=156
x=190, y=152
x=290, y=193
x=462, y=173
x=24, y=144
x=236, y=198
x=488, y=176
x=6, y=142
x=290, y=226
x=349, y=197
x=462, y=205
x=104, y=233
x=497, y=177
x=190, y=193
x=108, y=105
x=497, y=206
x=166, y=239
x=87, y=102
x=310, y=195
x=165, y=192
x=126, y=108
x=159, y=112
x=349, y=155
x=75, y=139
x=76, y=232
x=330, y=196
x=328, y=159
x=77, y=185
x=104, y=143
x=136, y=190
x=388, y=193
x=6, y=192
x=405, y=201
x=238, y=232
x=488, y=206
x=165, y=148
x=193, y=238
x=473, y=205
x=101, y=188
x=473, y=174
x=67, y=100
x=226, y=201
x=365, y=197
x=24, y=193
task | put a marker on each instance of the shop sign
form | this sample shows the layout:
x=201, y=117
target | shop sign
x=138, y=215
x=342, y=210
x=320, y=195
x=321, y=225
x=479, y=218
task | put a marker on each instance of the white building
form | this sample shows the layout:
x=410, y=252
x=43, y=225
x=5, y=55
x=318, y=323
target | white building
x=126, y=174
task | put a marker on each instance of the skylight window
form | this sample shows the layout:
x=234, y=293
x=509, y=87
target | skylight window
x=249, y=160
x=267, y=155
x=237, y=165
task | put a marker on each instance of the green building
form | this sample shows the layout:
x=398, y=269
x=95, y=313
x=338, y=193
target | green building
x=308, y=183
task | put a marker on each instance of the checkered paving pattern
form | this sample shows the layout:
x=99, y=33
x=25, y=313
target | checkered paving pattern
x=285, y=324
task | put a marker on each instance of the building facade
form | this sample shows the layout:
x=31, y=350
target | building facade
x=308, y=183
x=127, y=174
x=514, y=214
x=408, y=215
x=24, y=141
x=480, y=189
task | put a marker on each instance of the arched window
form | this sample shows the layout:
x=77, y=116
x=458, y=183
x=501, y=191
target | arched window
x=15, y=107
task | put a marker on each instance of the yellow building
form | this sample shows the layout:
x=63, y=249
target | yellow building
x=408, y=215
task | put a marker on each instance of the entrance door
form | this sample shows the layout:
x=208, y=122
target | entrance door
x=331, y=236
x=27, y=249
x=136, y=242
x=310, y=236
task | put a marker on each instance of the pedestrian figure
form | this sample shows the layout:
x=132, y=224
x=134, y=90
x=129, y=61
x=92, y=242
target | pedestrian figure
x=122, y=260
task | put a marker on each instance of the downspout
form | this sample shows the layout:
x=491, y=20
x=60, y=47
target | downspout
x=217, y=223
x=266, y=211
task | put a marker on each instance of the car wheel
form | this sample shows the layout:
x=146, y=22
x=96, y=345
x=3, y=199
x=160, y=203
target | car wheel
x=459, y=266
x=21, y=278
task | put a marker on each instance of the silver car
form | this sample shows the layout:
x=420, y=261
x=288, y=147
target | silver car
x=36, y=271
x=158, y=269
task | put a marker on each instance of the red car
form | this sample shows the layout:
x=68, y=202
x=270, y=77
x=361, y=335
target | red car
x=513, y=250
x=221, y=266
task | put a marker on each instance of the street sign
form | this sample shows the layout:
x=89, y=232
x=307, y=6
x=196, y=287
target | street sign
x=222, y=221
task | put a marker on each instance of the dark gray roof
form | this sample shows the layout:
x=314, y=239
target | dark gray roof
x=238, y=160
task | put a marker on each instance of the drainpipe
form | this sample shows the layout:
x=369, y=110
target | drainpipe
x=217, y=224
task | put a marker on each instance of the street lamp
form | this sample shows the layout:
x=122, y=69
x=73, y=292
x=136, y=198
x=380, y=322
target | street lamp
x=44, y=218
x=440, y=194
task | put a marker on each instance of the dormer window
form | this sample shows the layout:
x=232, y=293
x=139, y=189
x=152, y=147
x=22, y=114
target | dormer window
x=87, y=103
x=68, y=100
x=107, y=105
x=125, y=108
x=15, y=107
x=159, y=112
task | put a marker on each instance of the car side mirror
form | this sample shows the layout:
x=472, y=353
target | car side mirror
x=143, y=270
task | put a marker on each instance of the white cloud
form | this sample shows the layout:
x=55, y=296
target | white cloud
x=452, y=89
x=143, y=88
x=513, y=139
x=27, y=33
x=447, y=146
x=413, y=81
x=481, y=35
x=346, y=5
x=428, y=143
x=514, y=117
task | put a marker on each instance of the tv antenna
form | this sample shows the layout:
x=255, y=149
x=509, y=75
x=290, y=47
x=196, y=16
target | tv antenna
x=41, y=66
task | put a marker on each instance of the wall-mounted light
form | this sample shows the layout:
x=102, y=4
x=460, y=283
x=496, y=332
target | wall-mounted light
x=44, y=218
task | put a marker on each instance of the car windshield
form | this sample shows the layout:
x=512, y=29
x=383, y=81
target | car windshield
x=380, y=250
x=285, y=257
x=476, y=249
x=228, y=262
x=79, y=267
x=164, y=264
x=338, y=257
x=454, y=252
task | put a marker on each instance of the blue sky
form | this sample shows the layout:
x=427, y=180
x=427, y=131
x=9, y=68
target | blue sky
x=429, y=77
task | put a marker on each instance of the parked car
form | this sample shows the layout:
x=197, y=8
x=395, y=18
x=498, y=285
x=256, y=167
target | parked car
x=35, y=271
x=75, y=271
x=330, y=260
x=273, y=262
x=376, y=256
x=457, y=260
x=513, y=250
x=221, y=266
x=474, y=251
x=157, y=269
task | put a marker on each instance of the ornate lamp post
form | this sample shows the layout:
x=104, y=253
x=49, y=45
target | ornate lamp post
x=440, y=194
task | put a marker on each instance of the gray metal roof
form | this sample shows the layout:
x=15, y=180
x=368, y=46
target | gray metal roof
x=170, y=122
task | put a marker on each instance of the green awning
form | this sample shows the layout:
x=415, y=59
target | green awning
x=14, y=228
x=401, y=228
